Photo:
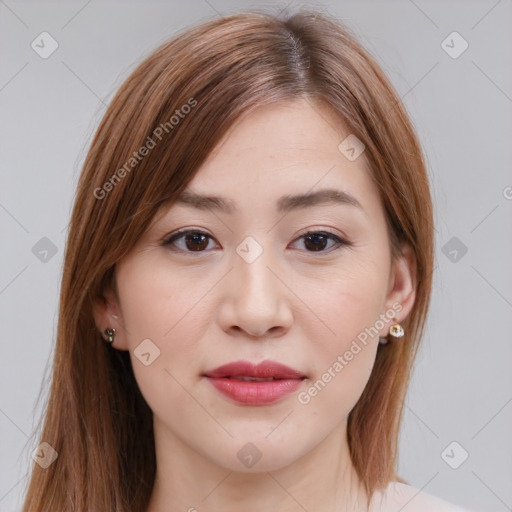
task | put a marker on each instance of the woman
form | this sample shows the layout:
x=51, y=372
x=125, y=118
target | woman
x=246, y=281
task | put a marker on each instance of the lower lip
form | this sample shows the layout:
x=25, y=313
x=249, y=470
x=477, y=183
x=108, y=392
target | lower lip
x=254, y=392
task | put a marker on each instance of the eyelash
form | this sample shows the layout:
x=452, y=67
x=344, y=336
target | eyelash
x=169, y=241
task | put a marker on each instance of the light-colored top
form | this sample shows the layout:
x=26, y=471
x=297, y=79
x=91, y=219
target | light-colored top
x=398, y=497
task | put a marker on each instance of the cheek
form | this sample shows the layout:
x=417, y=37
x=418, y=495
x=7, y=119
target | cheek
x=155, y=308
x=348, y=304
x=350, y=298
x=166, y=306
x=156, y=300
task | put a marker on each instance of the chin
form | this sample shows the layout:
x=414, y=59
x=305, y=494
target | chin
x=259, y=455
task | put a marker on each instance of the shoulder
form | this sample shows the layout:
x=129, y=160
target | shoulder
x=403, y=497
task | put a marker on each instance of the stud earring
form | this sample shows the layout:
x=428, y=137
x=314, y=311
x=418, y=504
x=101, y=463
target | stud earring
x=110, y=333
x=396, y=331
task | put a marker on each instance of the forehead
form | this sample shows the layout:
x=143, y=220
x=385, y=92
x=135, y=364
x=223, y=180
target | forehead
x=301, y=127
x=287, y=154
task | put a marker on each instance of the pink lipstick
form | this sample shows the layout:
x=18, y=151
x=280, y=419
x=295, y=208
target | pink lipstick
x=255, y=384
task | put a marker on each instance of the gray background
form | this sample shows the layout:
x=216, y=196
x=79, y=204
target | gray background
x=461, y=390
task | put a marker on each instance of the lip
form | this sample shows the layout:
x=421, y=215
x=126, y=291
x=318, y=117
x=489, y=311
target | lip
x=263, y=370
x=255, y=393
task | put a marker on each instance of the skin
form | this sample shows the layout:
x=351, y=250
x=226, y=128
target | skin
x=292, y=304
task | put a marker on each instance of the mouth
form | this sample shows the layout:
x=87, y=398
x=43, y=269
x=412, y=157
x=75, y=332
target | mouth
x=255, y=384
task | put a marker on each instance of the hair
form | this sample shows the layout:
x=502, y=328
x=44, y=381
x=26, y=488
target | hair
x=194, y=87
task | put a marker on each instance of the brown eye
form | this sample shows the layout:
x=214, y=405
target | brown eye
x=317, y=241
x=193, y=241
x=196, y=241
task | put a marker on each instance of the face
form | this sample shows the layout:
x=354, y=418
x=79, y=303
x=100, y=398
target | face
x=309, y=284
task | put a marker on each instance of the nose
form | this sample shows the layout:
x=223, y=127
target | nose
x=256, y=300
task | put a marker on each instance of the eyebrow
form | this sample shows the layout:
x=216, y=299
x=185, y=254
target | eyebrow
x=285, y=204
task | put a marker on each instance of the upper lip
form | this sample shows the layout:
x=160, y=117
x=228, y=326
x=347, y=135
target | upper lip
x=265, y=369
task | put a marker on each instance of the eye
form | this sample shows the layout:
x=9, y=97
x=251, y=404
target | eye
x=194, y=241
x=198, y=241
x=317, y=240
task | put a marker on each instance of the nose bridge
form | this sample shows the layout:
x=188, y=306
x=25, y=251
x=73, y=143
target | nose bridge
x=258, y=295
x=252, y=272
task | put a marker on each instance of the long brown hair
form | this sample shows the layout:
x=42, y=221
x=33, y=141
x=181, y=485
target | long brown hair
x=95, y=416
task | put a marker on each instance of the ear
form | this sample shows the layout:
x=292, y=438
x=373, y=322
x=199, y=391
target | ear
x=402, y=286
x=107, y=315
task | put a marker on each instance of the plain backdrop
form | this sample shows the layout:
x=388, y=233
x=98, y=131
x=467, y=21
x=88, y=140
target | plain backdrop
x=459, y=405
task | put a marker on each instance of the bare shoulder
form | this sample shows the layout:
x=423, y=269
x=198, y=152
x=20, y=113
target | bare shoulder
x=398, y=496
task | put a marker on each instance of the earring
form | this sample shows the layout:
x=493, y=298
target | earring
x=110, y=333
x=395, y=331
